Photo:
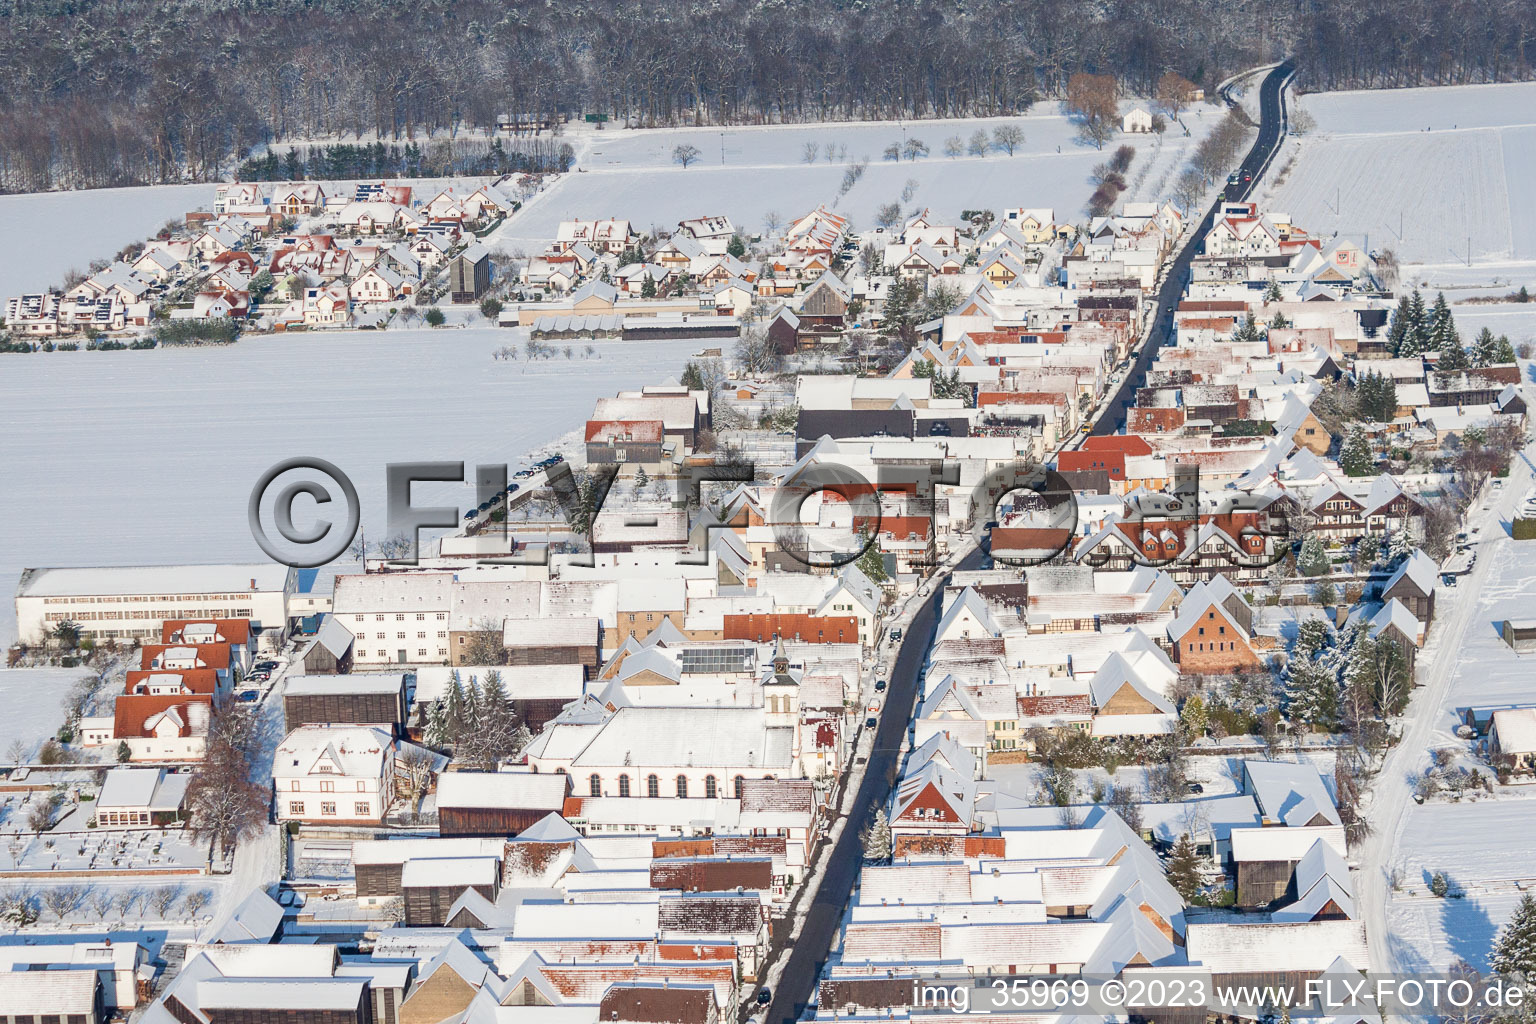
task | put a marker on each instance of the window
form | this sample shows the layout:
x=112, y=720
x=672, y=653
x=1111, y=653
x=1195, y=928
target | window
x=595, y=785
x=652, y=786
x=737, y=784
x=682, y=786
x=296, y=807
x=623, y=785
x=362, y=787
x=327, y=808
x=399, y=636
x=399, y=617
x=362, y=809
x=709, y=787
x=294, y=785
x=327, y=787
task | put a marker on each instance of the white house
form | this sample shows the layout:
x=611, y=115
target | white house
x=326, y=774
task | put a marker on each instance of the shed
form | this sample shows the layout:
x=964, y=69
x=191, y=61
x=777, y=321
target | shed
x=1520, y=634
x=431, y=886
x=370, y=698
x=496, y=803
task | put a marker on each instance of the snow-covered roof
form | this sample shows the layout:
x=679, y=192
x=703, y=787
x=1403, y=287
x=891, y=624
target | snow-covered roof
x=1289, y=792
x=1419, y=569
x=153, y=579
x=502, y=789
x=1272, y=948
x=429, y=872
x=357, y=682
x=1280, y=843
x=150, y=789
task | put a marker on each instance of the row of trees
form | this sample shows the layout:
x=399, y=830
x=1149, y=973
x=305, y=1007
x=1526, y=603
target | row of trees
x=542, y=155
x=1417, y=329
x=137, y=91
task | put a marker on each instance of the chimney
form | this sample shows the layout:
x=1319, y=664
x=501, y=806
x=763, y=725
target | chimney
x=253, y=582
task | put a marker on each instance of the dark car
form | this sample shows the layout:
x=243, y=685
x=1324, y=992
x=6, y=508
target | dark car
x=264, y=666
x=895, y=634
x=1194, y=789
x=470, y=514
x=879, y=685
x=249, y=696
x=871, y=722
x=511, y=488
x=764, y=996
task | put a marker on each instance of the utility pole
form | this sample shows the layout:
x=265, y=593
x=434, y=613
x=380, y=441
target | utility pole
x=722, y=149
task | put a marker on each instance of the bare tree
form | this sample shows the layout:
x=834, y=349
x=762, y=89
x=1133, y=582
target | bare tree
x=163, y=898
x=64, y=900
x=685, y=154
x=954, y=146
x=773, y=220
x=914, y=148
x=102, y=901
x=485, y=644
x=126, y=897
x=811, y=150
x=196, y=900
x=978, y=143
x=1008, y=137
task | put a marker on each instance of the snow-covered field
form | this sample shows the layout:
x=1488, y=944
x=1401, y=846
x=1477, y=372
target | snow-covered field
x=630, y=173
x=48, y=233
x=33, y=699
x=123, y=458
x=1484, y=848
x=1372, y=170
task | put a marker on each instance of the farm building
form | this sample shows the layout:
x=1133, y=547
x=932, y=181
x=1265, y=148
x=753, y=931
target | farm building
x=370, y=698
x=496, y=803
x=1520, y=634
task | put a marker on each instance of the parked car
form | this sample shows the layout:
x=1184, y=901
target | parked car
x=871, y=722
x=249, y=696
x=895, y=634
x=471, y=513
x=264, y=666
x=879, y=685
x=1194, y=789
x=258, y=677
x=764, y=996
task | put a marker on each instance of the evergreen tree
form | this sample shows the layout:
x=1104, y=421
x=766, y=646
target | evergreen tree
x=1273, y=293
x=648, y=287
x=693, y=377
x=436, y=730
x=1376, y=397
x=1249, y=331
x=1313, y=637
x=1443, y=338
x=1184, y=868
x=1311, y=694
x=1196, y=716
x=1504, y=352
x=1313, y=559
x=871, y=563
x=1484, y=348
x=1514, y=952
x=1402, y=322
x=736, y=247
x=1416, y=341
x=453, y=710
x=1356, y=458
x=1279, y=321
x=876, y=838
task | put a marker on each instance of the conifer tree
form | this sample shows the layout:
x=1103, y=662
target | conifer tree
x=1514, y=951
x=876, y=838
x=1311, y=694
x=1313, y=559
x=1402, y=321
x=1416, y=341
x=1184, y=868
x=1483, y=348
x=1355, y=458
x=1313, y=637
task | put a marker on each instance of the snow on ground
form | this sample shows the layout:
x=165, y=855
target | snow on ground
x=630, y=173
x=48, y=233
x=1515, y=319
x=1372, y=170
x=33, y=699
x=1484, y=849
x=1483, y=845
x=126, y=458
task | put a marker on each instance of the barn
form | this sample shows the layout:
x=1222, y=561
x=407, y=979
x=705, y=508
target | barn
x=496, y=803
x=373, y=698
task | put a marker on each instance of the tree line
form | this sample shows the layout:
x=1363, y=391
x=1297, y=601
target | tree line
x=134, y=91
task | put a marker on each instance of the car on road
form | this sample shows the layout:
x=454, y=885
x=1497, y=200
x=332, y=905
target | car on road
x=879, y=685
x=895, y=634
x=871, y=722
x=258, y=677
x=874, y=708
x=249, y=696
x=264, y=666
x=764, y=996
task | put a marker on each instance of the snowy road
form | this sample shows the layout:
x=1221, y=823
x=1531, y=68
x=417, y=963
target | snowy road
x=1392, y=797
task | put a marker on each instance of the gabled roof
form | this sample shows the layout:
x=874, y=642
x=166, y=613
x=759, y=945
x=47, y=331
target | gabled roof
x=969, y=601
x=1419, y=570
x=957, y=793
x=1115, y=674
